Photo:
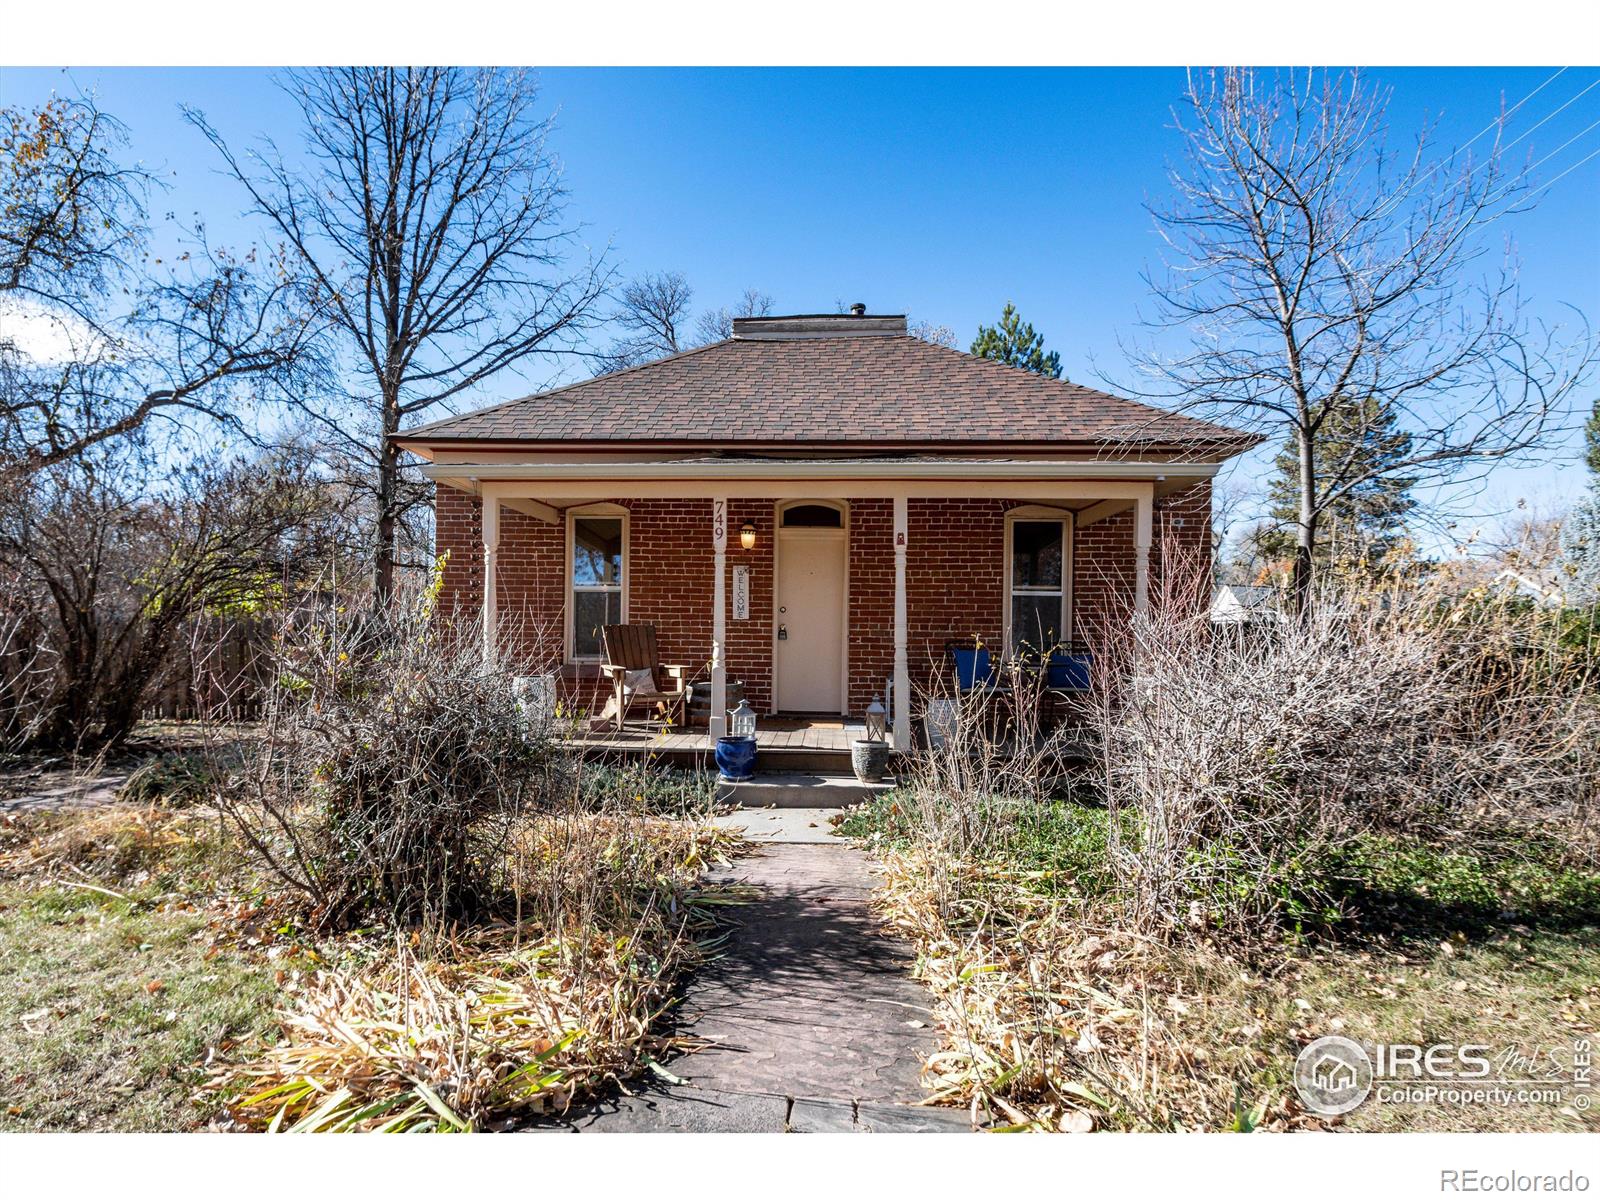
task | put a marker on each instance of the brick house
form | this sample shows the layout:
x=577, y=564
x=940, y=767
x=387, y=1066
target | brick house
x=815, y=507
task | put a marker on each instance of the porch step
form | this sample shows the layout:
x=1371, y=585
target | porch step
x=796, y=790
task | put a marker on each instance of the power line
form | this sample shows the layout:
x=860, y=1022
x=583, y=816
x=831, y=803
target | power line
x=1504, y=189
x=1553, y=113
x=1494, y=124
x=1546, y=186
x=1563, y=146
x=1501, y=119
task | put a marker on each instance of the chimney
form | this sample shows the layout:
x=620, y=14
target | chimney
x=854, y=324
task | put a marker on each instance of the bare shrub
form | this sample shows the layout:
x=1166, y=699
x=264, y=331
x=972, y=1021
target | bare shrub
x=109, y=561
x=1233, y=761
x=393, y=767
x=26, y=672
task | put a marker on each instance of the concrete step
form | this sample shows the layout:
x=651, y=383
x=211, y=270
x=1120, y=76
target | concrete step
x=800, y=790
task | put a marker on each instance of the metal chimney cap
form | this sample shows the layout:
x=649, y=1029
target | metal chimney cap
x=858, y=309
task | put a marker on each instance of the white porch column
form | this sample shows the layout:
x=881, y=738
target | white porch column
x=491, y=551
x=719, y=617
x=1143, y=508
x=902, y=666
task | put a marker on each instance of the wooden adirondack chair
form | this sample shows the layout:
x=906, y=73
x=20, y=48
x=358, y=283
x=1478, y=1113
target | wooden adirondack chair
x=629, y=650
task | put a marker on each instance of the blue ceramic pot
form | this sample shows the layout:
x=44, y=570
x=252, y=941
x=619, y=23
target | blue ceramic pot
x=736, y=758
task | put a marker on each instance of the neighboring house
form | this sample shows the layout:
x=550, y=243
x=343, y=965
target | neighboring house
x=1516, y=583
x=1245, y=604
x=814, y=506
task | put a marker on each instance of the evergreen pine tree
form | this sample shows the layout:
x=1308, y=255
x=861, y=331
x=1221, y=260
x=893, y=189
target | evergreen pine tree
x=1591, y=440
x=1014, y=343
x=1580, y=533
x=1363, y=522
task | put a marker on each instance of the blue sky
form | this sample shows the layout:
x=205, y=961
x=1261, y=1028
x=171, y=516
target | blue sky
x=942, y=193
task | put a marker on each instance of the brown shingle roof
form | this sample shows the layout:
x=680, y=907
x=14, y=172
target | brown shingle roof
x=830, y=390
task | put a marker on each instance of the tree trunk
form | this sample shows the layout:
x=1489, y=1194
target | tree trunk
x=1305, y=529
x=388, y=503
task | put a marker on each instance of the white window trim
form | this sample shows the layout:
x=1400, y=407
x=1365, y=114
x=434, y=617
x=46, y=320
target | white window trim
x=1032, y=513
x=568, y=587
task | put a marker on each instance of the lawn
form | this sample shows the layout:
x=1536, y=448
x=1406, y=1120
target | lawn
x=154, y=976
x=111, y=1007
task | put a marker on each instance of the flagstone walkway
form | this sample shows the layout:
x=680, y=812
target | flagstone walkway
x=812, y=1019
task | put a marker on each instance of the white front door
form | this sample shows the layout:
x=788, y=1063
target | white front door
x=810, y=616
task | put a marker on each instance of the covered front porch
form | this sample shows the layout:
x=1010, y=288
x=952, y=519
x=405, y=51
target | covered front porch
x=783, y=743
x=818, y=584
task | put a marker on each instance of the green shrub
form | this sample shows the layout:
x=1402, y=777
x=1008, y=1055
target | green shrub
x=1522, y=879
x=647, y=788
x=180, y=779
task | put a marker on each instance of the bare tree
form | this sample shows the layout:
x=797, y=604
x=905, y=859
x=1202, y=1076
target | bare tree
x=69, y=216
x=433, y=215
x=101, y=337
x=112, y=555
x=934, y=335
x=652, y=311
x=717, y=325
x=1318, y=272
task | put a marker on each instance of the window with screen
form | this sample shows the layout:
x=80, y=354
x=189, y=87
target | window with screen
x=596, y=581
x=1038, y=584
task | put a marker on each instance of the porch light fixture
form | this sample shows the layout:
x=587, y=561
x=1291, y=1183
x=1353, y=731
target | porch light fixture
x=877, y=721
x=747, y=535
x=742, y=721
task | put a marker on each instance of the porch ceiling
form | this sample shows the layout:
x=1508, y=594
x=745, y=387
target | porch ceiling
x=1102, y=486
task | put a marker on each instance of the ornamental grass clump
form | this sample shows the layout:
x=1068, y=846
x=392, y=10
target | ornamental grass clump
x=485, y=1027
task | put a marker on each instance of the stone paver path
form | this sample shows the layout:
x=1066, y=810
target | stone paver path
x=812, y=1019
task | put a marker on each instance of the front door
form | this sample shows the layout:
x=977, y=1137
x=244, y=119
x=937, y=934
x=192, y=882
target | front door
x=810, y=616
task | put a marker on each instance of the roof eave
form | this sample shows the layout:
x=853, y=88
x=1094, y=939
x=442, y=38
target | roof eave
x=1226, y=446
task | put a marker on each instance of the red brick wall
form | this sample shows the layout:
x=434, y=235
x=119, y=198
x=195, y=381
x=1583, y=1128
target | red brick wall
x=871, y=601
x=954, y=578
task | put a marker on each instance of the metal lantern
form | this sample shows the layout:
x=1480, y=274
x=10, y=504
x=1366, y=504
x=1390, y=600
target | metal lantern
x=747, y=535
x=877, y=721
x=742, y=721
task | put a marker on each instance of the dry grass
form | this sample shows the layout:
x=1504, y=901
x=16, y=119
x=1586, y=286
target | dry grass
x=480, y=1028
x=152, y=954
x=1054, y=1020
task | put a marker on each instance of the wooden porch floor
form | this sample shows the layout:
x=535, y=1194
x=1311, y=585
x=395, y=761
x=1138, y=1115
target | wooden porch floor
x=782, y=735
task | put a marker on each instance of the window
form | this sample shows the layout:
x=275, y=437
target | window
x=812, y=516
x=597, y=583
x=1038, y=584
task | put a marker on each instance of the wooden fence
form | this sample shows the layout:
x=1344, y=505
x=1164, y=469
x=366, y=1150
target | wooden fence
x=216, y=672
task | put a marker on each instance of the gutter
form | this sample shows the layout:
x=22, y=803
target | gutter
x=973, y=469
